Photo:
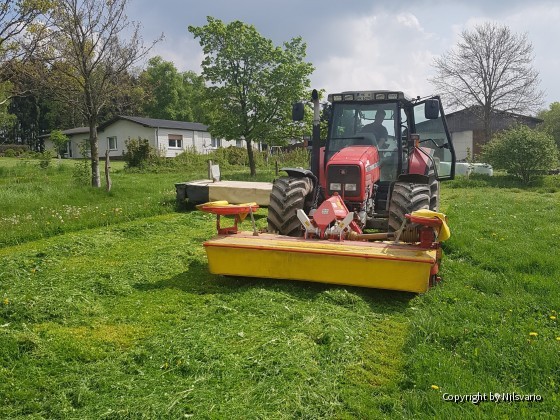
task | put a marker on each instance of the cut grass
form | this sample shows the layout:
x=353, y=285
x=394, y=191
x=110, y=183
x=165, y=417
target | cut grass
x=123, y=320
x=127, y=321
x=38, y=203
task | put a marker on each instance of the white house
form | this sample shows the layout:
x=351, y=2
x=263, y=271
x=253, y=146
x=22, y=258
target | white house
x=169, y=137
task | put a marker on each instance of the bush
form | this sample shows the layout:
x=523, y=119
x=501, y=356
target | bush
x=18, y=149
x=45, y=159
x=522, y=152
x=10, y=153
x=138, y=153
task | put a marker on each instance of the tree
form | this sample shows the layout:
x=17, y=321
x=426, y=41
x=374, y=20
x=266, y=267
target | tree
x=523, y=152
x=170, y=94
x=60, y=140
x=19, y=35
x=253, y=82
x=551, y=121
x=89, y=60
x=489, y=69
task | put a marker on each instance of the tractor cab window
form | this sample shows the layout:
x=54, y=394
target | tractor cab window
x=364, y=124
x=434, y=138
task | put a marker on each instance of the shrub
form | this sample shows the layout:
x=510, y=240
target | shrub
x=522, y=152
x=82, y=170
x=18, y=149
x=10, y=153
x=138, y=153
x=45, y=159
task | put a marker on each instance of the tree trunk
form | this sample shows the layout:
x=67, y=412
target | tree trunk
x=94, y=151
x=251, y=157
x=107, y=170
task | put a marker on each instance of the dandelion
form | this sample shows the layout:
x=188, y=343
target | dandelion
x=7, y=302
x=533, y=334
x=435, y=387
x=552, y=317
x=557, y=338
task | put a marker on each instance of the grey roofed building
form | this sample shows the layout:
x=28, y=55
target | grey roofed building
x=169, y=138
x=467, y=129
x=158, y=123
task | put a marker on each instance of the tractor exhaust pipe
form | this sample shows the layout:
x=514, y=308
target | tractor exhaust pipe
x=316, y=134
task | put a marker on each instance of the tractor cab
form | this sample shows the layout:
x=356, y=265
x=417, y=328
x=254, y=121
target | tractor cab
x=394, y=124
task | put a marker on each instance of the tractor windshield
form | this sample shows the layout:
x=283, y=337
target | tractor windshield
x=369, y=124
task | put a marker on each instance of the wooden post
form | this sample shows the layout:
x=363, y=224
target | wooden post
x=209, y=169
x=107, y=169
x=276, y=166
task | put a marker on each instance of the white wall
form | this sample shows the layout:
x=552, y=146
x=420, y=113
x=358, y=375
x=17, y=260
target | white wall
x=462, y=140
x=124, y=130
x=201, y=141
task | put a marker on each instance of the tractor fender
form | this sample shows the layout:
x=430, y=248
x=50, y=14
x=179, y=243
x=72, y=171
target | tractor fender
x=299, y=172
x=414, y=178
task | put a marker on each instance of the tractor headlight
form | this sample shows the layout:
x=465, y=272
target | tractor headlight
x=335, y=186
x=349, y=187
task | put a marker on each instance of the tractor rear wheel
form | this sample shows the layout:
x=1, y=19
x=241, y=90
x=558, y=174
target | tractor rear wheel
x=406, y=198
x=434, y=192
x=288, y=195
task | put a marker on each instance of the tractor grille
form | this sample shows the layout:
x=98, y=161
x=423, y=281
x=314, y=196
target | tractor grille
x=344, y=174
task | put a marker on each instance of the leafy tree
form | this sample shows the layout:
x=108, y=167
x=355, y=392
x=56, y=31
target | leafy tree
x=170, y=94
x=551, y=121
x=253, y=82
x=489, y=69
x=60, y=140
x=89, y=60
x=523, y=152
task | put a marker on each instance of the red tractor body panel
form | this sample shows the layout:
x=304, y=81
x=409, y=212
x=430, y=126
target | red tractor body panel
x=351, y=173
x=419, y=162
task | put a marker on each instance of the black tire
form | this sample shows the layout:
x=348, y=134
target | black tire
x=406, y=198
x=434, y=192
x=288, y=195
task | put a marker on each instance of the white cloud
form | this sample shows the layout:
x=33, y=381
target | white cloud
x=384, y=51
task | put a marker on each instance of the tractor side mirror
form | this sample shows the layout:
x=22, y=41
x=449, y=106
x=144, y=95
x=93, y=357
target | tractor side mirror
x=298, y=111
x=431, y=109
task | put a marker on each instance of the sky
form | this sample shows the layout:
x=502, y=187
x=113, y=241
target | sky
x=360, y=44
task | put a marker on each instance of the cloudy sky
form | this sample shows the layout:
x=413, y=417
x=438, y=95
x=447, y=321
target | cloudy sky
x=360, y=44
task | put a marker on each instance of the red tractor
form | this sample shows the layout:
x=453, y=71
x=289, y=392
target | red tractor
x=384, y=155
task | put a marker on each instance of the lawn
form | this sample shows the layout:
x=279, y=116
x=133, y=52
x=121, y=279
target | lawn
x=113, y=314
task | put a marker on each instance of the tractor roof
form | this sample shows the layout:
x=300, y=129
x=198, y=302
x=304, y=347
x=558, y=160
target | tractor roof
x=368, y=95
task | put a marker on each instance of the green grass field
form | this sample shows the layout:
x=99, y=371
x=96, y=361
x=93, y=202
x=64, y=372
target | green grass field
x=108, y=313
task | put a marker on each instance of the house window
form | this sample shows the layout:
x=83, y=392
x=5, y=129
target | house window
x=238, y=143
x=216, y=142
x=175, y=141
x=112, y=143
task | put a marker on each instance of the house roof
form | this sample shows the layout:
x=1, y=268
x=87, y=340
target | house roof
x=157, y=123
x=69, y=132
x=477, y=108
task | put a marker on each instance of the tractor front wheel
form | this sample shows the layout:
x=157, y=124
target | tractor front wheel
x=288, y=195
x=406, y=198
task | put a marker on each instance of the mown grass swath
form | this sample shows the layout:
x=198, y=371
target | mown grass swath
x=118, y=317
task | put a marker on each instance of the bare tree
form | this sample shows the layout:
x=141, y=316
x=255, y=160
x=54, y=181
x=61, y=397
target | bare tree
x=490, y=69
x=20, y=32
x=16, y=17
x=89, y=59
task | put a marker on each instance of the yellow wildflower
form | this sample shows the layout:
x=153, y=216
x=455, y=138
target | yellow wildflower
x=552, y=317
x=435, y=387
x=533, y=334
